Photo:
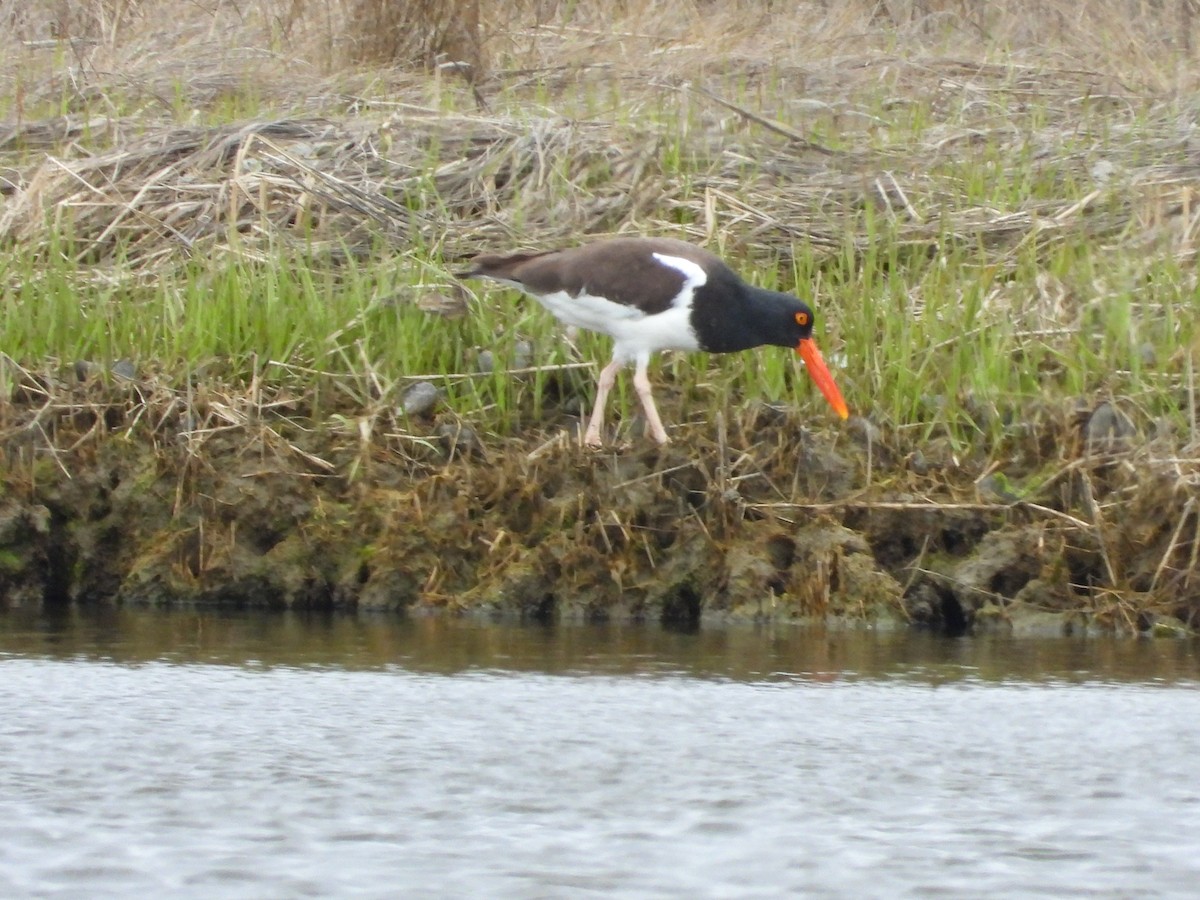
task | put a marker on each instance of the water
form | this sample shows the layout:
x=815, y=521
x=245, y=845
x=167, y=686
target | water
x=185, y=755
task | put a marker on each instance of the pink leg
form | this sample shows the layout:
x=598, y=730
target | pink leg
x=641, y=383
x=608, y=375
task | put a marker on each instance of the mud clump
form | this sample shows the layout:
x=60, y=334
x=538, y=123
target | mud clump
x=287, y=514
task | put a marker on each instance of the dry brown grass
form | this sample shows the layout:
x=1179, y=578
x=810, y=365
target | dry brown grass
x=1144, y=42
x=467, y=182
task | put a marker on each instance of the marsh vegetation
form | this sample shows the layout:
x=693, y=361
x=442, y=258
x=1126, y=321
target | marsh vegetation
x=230, y=235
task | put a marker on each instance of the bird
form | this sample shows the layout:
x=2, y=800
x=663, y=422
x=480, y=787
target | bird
x=658, y=293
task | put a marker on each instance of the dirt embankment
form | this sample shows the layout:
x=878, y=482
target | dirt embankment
x=114, y=495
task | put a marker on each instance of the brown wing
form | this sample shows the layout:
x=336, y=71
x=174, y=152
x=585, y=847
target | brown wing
x=623, y=270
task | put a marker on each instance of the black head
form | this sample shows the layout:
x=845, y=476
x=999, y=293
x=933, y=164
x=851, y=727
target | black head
x=799, y=323
x=791, y=325
x=781, y=319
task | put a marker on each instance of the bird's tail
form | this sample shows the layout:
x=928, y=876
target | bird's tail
x=501, y=268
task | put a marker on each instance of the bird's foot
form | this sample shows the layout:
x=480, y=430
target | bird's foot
x=659, y=434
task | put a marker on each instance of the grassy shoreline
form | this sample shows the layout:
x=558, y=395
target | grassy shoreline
x=1000, y=245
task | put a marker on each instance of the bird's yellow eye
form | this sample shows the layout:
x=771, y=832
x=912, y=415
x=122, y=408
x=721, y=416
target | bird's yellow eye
x=801, y=318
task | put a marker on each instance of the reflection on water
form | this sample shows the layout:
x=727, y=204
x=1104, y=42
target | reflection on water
x=150, y=753
x=449, y=646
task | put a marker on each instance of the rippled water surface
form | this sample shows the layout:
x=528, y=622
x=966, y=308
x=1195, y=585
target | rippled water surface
x=187, y=755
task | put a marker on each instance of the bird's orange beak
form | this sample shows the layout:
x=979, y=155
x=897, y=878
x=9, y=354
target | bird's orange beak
x=808, y=351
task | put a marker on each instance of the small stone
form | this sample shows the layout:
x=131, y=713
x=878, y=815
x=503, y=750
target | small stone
x=1163, y=428
x=1168, y=627
x=1103, y=171
x=459, y=439
x=522, y=354
x=40, y=518
x=770, y=415
x=996, y=487
x=420, y=399
x=123, y=368
x=1108, y=430
x=983, y=412
x=10, y=180
x=486, y=361
x=863, y=430
x=1148, y=354
x=917, y=463
x=933, y=403
x=85, y=370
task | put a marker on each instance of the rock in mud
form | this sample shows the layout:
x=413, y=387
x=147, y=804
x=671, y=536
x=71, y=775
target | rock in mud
x=771, y=415
x=85, y=369
x=420, y=399
x=459, y=440
x=864, y=431
x=1001, y=566
x=124, y=368
x=995, y=488
x=1108, y=430
x=917, y=463
x=522, y=354
x=819, y=572
x=1031, y=620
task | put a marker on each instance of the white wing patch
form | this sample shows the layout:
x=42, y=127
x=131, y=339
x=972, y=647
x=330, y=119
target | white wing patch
x=693, y=276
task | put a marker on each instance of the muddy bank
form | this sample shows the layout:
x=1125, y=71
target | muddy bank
x=122, y=493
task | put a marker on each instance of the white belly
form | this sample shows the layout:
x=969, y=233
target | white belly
x=634, y=333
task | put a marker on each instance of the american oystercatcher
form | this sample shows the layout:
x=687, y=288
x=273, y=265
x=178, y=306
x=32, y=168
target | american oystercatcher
x=654, y=294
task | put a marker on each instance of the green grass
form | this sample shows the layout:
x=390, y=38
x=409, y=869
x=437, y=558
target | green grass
x=915, y=341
